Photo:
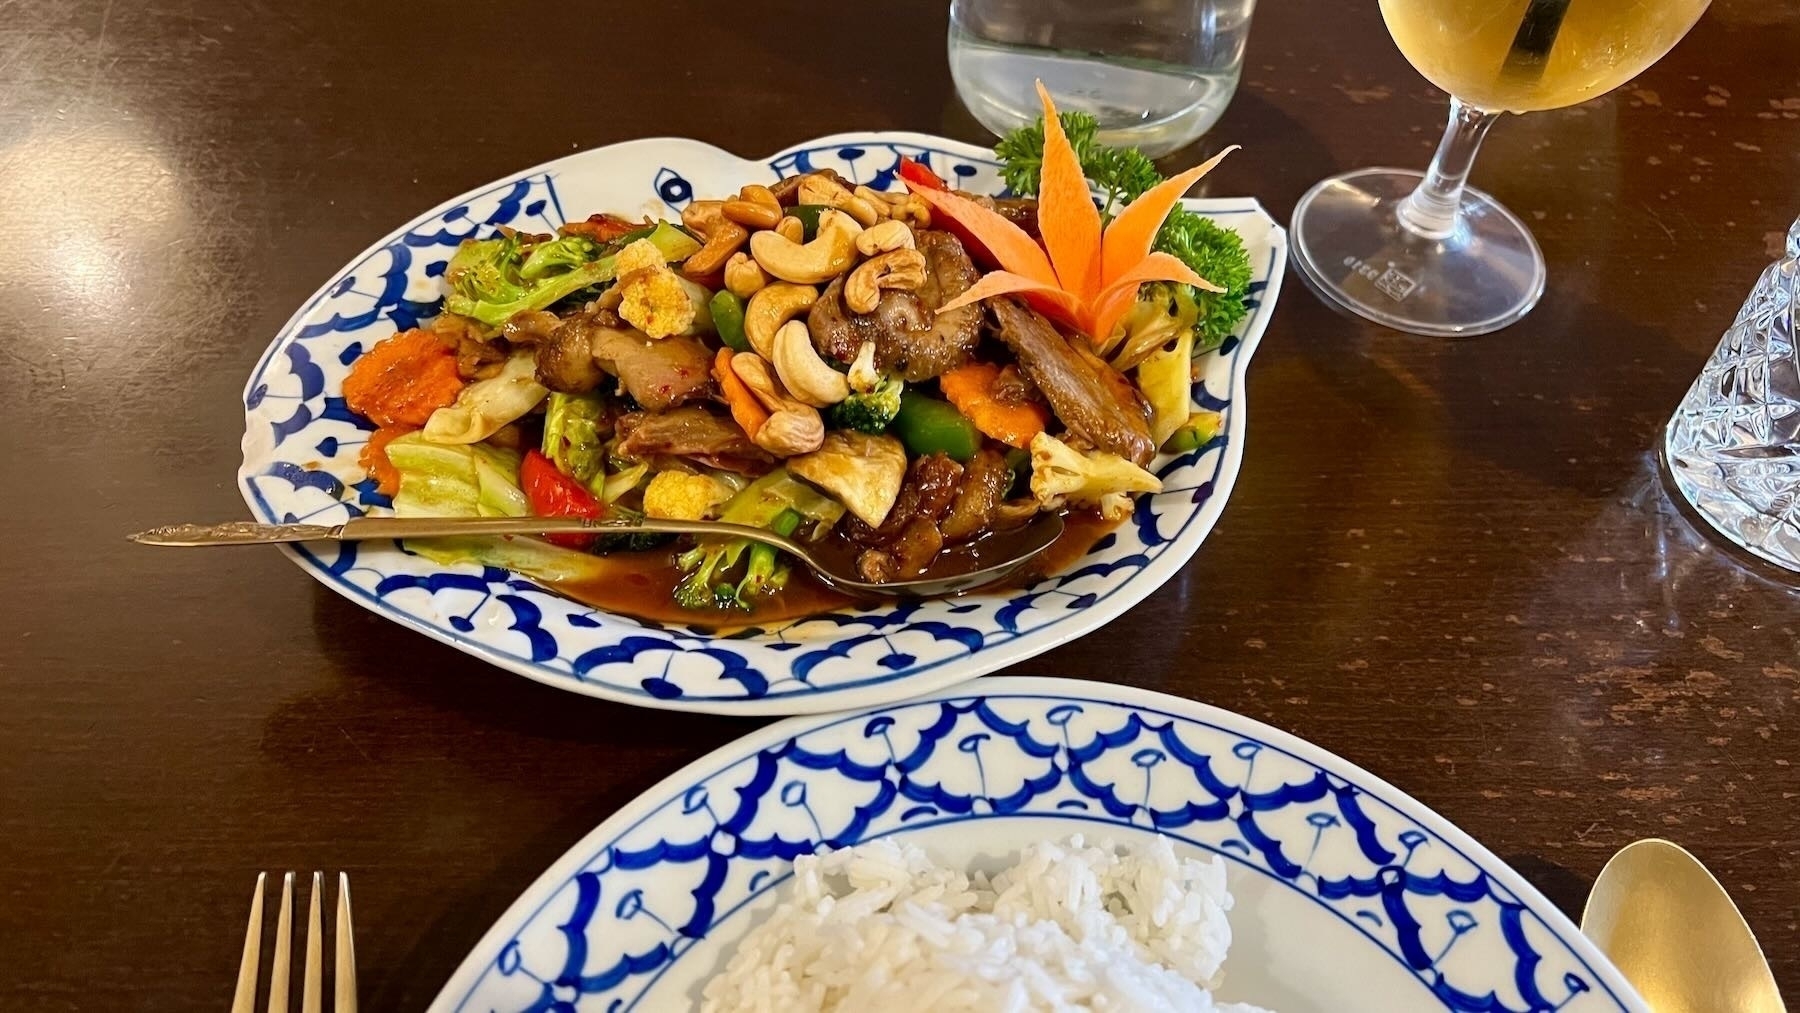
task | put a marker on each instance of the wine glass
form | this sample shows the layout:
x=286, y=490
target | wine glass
x=1426, y=253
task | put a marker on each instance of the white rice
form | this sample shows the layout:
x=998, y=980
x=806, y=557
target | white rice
x=880, y=927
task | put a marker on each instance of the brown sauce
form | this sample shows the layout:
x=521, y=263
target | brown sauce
x=643, y=584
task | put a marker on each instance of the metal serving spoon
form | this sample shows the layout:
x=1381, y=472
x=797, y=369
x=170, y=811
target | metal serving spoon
x=1659, y=915
x=1026, y=543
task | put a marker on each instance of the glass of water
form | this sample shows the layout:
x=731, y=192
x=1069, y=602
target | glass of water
x=1733, y=447
x=1156, y=73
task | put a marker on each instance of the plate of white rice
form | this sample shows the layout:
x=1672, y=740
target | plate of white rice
x=1031, y=844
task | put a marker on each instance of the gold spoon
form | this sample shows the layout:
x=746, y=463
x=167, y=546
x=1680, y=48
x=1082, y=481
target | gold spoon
x=1674, y=933
x=1024, y=544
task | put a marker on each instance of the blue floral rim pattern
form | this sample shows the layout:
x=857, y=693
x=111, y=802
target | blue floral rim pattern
x=673, y=871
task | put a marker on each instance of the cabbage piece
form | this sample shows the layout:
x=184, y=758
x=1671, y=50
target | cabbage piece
x=443, y=480
x=486, y=405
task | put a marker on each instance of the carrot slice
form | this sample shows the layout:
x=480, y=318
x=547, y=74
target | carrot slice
x=746, y=410
x=970, y=387
x=1012, y=246
x=1067, y=218
x=1106, y=309
x=1129, y=236
x=374, y=458
x=1045, y=295
x=403, y=379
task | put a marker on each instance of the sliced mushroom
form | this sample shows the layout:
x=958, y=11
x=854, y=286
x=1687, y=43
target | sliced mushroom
x=864, y=472
x=831, y=253
x=902, y=270
x=806, y=376
x=772, y=306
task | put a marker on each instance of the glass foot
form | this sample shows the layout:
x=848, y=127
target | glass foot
x=1350, y=246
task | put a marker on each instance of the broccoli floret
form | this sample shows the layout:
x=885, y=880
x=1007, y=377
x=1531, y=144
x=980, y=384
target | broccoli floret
x=869, y=412
x=1104, y=481
x=558, y=255
x=1217, y=254
x=487, y=279
x=491, y=280
x=764, y=572
x=702, y=585
x=706, y=586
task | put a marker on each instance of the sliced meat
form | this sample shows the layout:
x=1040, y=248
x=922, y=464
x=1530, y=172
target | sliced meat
x=659, y=373
x=691, y=432
x=985, y=480
x=911, y=338
x=530, y=328
x=1021, y=211
x=909, y=539
x=565, y=359
x=1089, y=396
x=1014, y=387
x=906, y=556
x=479, y=360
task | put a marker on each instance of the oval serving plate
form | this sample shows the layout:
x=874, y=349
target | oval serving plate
x=301, y=444
x=1349, y=895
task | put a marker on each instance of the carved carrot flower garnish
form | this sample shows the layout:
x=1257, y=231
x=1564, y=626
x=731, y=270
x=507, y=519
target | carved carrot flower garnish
x=1082, y=276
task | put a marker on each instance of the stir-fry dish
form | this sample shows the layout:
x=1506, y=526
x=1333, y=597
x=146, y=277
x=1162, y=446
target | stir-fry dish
x=899, y=377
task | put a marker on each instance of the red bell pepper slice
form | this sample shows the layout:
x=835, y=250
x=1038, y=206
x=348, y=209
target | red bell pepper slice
x=550, y=493
x=920, y=174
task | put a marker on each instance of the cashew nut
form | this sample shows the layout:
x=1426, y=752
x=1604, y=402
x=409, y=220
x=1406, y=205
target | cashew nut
x=896, y=269
x=911, y=209
x=904, y=206
x=772, y=306
x=883, y=238
x=805, y=375
x=863, y=376
x=753, y=208
x=883, y=208
x=792, y=427
x=816, y=189
x=723, y=236
x=788, y=433
x=791, y=229
x=754, y=370
x=742, y=277
x=830, y=254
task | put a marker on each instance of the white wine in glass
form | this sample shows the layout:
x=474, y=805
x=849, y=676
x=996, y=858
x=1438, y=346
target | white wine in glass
x=1426, y=253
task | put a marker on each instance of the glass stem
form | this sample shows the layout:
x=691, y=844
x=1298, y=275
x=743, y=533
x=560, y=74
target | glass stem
x=1431, y=210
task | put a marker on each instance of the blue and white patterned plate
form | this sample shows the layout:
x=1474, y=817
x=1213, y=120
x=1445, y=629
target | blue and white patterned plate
x=1350, y=896
x=301, y=445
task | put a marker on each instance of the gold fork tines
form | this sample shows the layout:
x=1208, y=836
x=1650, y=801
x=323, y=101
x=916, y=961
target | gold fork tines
x=313, y=972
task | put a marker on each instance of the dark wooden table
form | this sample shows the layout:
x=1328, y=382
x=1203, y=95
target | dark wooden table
x=1448, y=561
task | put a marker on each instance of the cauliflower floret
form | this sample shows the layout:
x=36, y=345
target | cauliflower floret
x=679, y=496
x=638, y=256
x=655, y=301
x=1105, y=481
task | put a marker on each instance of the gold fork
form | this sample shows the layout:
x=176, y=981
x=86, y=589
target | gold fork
x=312, y=985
